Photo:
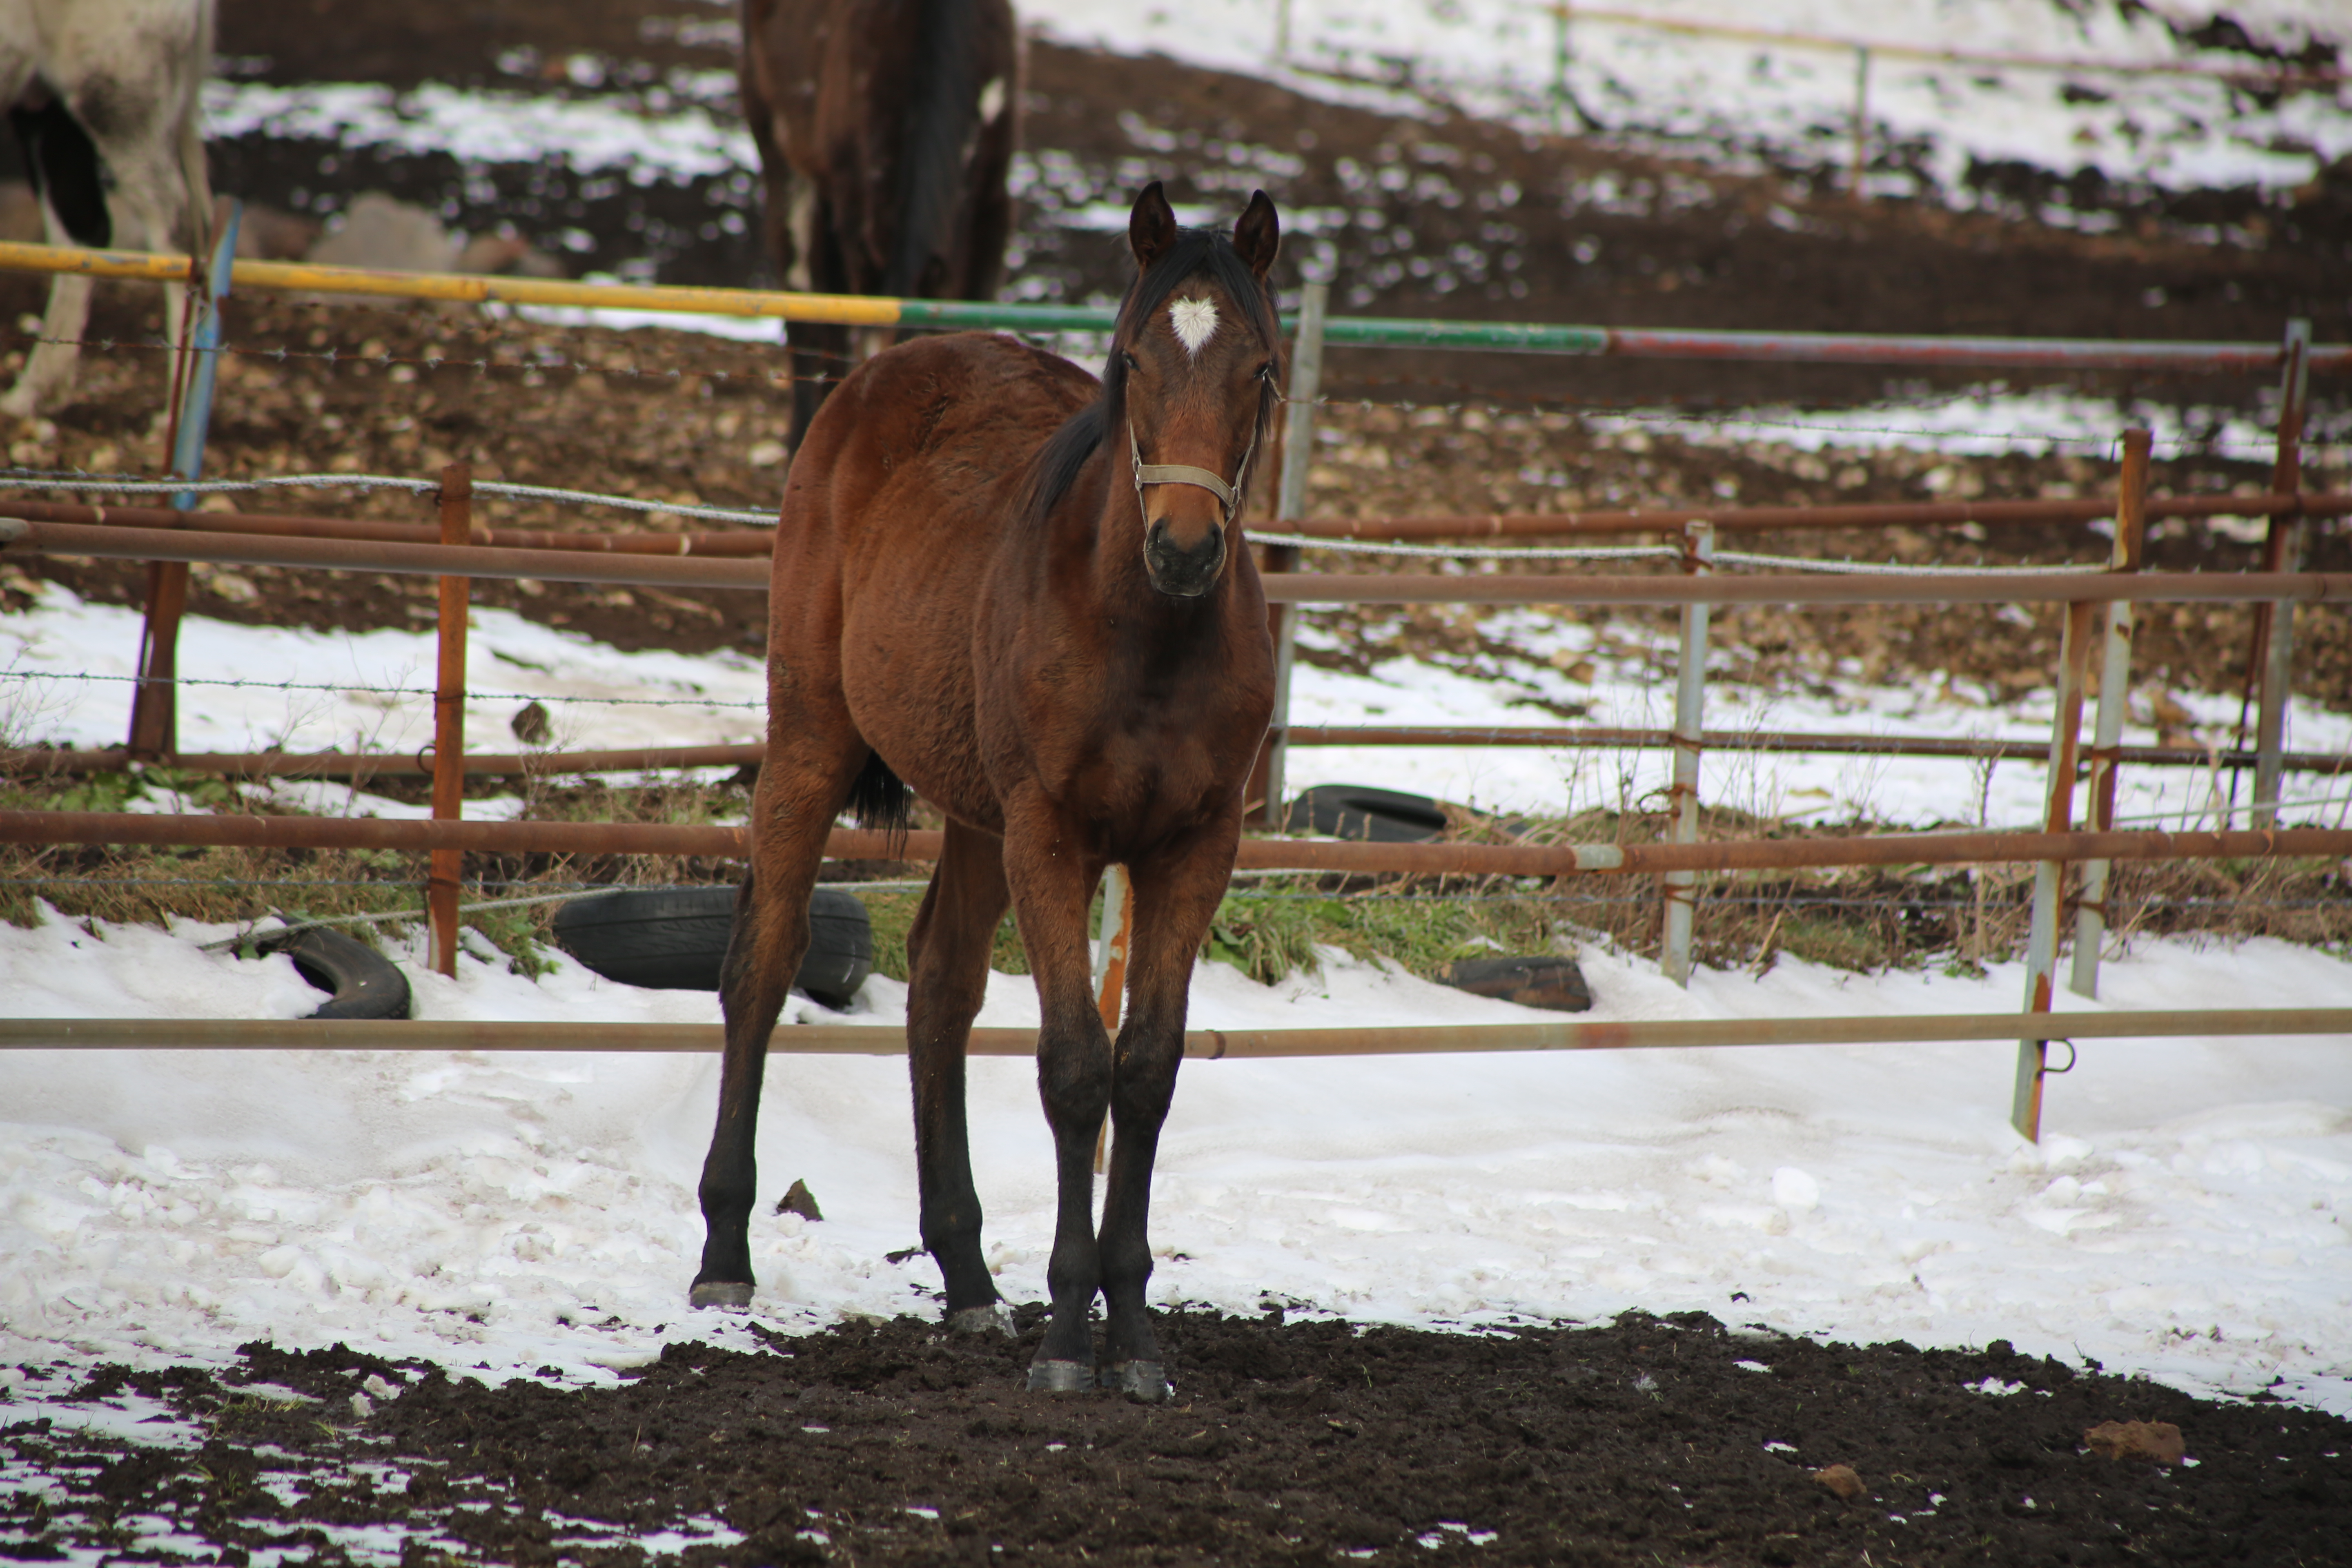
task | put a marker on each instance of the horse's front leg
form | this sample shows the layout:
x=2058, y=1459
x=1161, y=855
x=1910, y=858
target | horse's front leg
x=1176, y=895
x=1052, y=881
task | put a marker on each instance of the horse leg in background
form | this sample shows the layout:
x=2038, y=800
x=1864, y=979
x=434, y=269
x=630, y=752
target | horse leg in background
x=163, y=202
x=1176, y=895
x=1051, y=884
x=821, y=355
x=63, y=163
x=947, y=967
x=800, y=789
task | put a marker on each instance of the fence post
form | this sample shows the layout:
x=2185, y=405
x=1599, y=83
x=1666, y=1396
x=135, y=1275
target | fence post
x=1290, y=505
x=1110, y=969
x=2106, y=734
x=1679, y=889
x=1861, y=157
x=1562, y=15
x=2282, y=551
x=449, y=723
x=154, y=700
x=2041, y=940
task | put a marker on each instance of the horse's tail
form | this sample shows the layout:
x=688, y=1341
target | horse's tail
x=940, y=128
x=882, y=802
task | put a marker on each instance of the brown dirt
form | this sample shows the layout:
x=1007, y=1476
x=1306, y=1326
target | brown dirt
x=1644, y=1441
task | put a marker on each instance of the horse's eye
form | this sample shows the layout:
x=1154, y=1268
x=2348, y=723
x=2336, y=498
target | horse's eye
x=1266, y=371
x=1128, y=360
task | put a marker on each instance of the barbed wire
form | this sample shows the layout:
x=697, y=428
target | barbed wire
x=471, y=696
x=1637, y=552
x=1892, y=568
x=1470, y=552
x=139, y=484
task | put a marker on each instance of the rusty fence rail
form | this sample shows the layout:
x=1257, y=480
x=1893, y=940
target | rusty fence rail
x=1209, y=1045
x=20, y=538
x=360, y=766
x=1349, y=856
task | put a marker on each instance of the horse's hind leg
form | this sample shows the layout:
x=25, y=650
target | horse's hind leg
x=1176, y=896
x=793, y=810
x=947, y=965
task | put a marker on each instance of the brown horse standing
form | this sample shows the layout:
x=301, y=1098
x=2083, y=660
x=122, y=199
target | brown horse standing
x=884, y=129
x=1067, y=654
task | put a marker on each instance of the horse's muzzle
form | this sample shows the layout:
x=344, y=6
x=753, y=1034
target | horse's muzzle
x=1179, y=572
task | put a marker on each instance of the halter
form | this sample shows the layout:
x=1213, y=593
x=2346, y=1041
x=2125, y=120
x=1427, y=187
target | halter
x=1185, y=474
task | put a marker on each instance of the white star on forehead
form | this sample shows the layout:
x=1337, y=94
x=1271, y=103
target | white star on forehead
x=1195, y=321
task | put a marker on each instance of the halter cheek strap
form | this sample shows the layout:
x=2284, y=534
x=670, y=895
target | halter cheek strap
x=1185, y=474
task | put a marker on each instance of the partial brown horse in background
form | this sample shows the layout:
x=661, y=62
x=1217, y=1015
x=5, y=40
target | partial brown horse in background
x=884, y=129
x=1067, y=654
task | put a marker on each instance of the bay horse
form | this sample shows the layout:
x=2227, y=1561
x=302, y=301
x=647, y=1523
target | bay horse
x=884, y=130
x=104, y=97
x=1069, y=659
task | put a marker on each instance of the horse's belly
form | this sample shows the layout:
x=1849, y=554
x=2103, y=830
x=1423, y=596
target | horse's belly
x=915, y=710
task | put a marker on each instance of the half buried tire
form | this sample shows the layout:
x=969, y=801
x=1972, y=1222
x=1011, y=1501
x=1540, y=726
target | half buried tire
x=675, y=938
x=362, y=982
x=1553, y=983
x=1362, y=812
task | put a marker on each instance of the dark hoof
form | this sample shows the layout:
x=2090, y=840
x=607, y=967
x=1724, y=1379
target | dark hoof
x=1060, y=1376
x=995, y=1318
x=727, y=1295
x=1143, y=1380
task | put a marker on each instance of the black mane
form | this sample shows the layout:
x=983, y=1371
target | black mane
x=1197, y=252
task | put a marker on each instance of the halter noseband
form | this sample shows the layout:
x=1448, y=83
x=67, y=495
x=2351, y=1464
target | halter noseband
x=1230, y=495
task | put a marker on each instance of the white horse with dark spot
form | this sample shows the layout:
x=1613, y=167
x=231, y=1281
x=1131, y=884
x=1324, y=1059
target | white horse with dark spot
x=104, y=97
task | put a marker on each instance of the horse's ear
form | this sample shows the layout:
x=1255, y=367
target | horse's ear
x=1151, y=226
x=1258, y=235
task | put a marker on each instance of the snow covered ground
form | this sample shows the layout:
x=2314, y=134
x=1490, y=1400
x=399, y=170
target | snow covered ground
x=1717, y=97
x=1720, y=98
x=2185, y=1216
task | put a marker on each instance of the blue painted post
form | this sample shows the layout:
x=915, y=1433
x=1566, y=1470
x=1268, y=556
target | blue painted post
x=154, y=706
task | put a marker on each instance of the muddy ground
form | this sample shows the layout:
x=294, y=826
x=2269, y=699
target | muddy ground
x=1644, y=1441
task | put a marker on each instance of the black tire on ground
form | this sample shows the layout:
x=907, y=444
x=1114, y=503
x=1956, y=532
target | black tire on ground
x=1364, y=811
x=1553, y=983
x=361, y=981
x=675, y=938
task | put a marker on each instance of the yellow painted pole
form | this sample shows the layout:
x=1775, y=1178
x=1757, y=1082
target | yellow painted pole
x=847, y=309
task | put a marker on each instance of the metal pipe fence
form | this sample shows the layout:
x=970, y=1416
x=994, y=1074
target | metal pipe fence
x=1339, y=332
x=1199, y=1045
x=1345, y=857
x=20, y=538
x=465, y=552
